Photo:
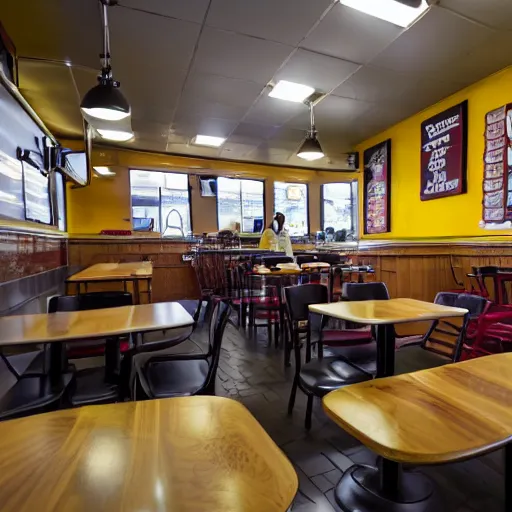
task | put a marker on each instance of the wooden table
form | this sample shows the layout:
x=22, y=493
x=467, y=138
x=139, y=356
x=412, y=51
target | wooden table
x=440, y=415
x=115, y=272
x=56, y=328
x=188, y=454
x=384, y=314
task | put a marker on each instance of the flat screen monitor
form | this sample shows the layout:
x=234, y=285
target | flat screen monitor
x=208, y=186
x=75, y=166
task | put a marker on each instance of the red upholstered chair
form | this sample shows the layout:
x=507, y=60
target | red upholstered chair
x=492, y=334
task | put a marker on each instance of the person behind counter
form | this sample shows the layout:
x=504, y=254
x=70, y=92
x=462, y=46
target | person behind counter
x=276, y=238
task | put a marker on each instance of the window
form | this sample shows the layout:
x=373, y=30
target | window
x=339, y=206
x=163, y=198
x=291, y=199
x=240, y=202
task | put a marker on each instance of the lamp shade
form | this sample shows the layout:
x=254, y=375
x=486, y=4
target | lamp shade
x=105, y=101
x=311, y=149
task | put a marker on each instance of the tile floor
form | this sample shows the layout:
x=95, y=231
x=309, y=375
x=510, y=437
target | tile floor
x=254, y=374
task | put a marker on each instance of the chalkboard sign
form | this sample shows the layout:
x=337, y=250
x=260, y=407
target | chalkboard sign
x=444, y=153
x=377, y=191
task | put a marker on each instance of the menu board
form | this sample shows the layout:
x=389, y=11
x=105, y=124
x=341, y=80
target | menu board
x=37, y=195
x=497, y=186
x=444, y=153
x=377, y=192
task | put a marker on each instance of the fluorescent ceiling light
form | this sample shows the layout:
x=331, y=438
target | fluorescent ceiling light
x=104, y=171
x=117, y=135
x=291, y=91
x=208, y=140
x=388, y=10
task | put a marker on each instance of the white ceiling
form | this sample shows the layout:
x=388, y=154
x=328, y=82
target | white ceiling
x=203, y=66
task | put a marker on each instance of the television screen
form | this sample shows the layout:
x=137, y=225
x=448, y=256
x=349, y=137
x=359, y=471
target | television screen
x=37, y=195
x=208, y=186
x=76, y=166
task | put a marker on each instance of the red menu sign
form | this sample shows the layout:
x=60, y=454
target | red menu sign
x=377, y=193
x=444, y=153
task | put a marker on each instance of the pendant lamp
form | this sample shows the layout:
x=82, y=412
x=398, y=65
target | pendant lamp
x=105, y=101
x=311, y=149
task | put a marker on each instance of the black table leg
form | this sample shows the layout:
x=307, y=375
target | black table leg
x=136, y=291
x=385, y=338
x=508, y=477
x=386, y=489
x=56, y=363
x=112, y=360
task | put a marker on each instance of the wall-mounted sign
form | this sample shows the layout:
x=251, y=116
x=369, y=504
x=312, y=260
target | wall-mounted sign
x=377, y=188
x=497, y=185
x=444, y=153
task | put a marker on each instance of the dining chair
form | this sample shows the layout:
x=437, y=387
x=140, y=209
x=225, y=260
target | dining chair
x=96, y=385
x=317, y=377
x=31, y=392
x=444, y=341
x=174, y=375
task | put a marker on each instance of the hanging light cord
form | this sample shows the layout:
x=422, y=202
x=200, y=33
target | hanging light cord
x=106, y=70
x=312, y=130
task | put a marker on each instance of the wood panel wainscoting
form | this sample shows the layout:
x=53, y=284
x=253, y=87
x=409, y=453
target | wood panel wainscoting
x=173, y=279
x=420, y=269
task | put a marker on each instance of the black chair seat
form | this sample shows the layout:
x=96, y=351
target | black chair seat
x=363, y=356
x=33, y=395
x=92, y=389
x=325, y=375
x=176, y=378
x=29, y=362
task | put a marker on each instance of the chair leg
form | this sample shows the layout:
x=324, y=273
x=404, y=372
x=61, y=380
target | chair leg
x=293, y=394
x=309, y=412
x=276, y=332
x=269, y=332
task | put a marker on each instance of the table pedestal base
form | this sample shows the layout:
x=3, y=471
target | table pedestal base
x=361, y=490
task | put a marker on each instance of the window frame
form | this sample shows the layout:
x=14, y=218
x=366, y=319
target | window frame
x=260, y=180
x=354, y=200
x=308, y=216
x=188, y=189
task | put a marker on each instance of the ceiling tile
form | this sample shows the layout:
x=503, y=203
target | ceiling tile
x=150, y=130
x=141, y=141
x=50, y=90
x=495, y=13
x=484, y=60
x=219, y=89
x=375, y=84
x=250, y=131
x=351, y=35
x=319, y=71
x=232, y=150
x=432, y=43
x=71, y=30
x=200, y=107
x=145, y=41
x=237, y=56
x=272, y=111
x=189, y=10
x=197, y=125
x=268, y=19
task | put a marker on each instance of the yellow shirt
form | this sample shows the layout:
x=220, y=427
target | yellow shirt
x=269, y=240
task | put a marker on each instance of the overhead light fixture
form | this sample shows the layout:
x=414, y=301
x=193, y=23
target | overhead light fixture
x=208, y=140
x=311, y=149
x=105, y=100
x=290, y=91
x=399, y=12
x=104, y=171
x=117, y=135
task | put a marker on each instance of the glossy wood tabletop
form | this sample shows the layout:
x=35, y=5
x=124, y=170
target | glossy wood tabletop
x=97, y=323
x=114, y=271
x=393, y=311
x=443, y=414
x=190, y=454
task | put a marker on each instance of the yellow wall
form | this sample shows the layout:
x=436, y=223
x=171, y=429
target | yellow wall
x=105, y=204
x=452, y=216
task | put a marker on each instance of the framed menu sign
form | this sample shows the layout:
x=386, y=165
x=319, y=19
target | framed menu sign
x=444, y=141
x=377, y=192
